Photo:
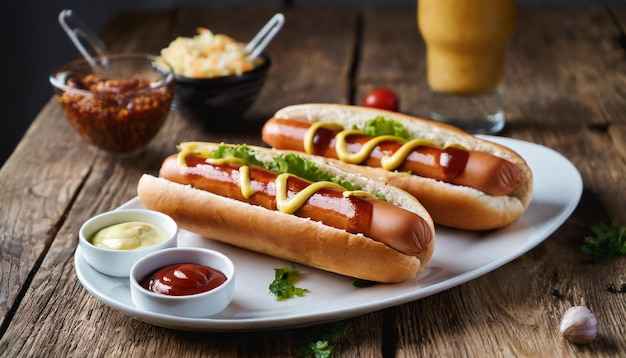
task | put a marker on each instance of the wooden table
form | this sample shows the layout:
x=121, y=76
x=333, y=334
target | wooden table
x=566, y=77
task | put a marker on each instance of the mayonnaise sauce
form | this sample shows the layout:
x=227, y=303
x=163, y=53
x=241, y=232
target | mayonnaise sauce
x=129, y=236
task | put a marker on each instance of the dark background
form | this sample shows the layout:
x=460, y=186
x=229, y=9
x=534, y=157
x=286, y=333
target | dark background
x=32, y=44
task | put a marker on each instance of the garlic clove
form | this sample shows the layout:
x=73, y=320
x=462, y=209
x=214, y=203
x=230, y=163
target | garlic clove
x=579, y=325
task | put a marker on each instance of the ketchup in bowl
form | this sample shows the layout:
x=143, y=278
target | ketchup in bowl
x=183, y=282
x=183, y=279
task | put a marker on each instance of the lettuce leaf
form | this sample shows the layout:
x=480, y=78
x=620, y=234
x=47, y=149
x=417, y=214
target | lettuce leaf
x=285, y=163
x=297, y=165
x=241, y=151
x=384, y=126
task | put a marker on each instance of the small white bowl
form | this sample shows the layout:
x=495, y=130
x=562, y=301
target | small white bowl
x=195, y=305
x=118, y=263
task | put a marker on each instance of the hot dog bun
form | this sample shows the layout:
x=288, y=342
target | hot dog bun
x=450, y=205
x=286, y=236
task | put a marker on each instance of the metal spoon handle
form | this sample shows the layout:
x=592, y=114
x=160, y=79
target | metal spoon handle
x=76, y=29
x=264, y=36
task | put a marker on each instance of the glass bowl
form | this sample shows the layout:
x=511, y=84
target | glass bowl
x=119, y=105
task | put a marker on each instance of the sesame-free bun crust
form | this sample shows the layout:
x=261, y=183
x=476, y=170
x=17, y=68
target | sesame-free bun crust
x=292, y=238
x=449, y=205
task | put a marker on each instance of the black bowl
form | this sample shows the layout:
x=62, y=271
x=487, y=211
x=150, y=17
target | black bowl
x=220, y=102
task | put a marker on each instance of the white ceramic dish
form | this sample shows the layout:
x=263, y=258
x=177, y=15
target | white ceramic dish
x=203, y=304
x=119, y=262
x=333, y=297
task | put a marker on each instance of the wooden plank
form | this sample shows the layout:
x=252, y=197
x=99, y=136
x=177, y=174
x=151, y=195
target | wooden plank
x=393, y=55
x=510, y=311
x=107, y=183
x=151, y=31
x=564, y=63
x=34, y=201
x=313, y=57
x=592, y=72
x=579, y=59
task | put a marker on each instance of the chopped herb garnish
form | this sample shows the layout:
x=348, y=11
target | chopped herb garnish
x=612, y=288
x=283, y=286
x=608, y=241
x=383, y=126
x=321, y=348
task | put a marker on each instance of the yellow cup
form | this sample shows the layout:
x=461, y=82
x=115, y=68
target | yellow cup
x=466, y=44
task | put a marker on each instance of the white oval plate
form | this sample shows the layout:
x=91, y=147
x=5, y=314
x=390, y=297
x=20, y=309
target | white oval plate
x=332, y=296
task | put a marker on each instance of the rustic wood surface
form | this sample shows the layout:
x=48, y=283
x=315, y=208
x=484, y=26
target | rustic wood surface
x=566, y=89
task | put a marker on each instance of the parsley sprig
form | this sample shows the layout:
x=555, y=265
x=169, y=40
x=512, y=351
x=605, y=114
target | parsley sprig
x=321, y=348
x=283, y=286
x=607, y=241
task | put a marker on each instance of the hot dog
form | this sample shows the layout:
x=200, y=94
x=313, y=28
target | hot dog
x=464, y=182
x=245, y=196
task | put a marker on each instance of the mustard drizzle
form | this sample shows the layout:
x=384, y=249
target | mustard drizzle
x=244, y=181
x=283, y=204
x=287, y=206
x=387, y=162
x=310, y=134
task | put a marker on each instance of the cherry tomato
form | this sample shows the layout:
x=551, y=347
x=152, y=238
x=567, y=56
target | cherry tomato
x=382, y=98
